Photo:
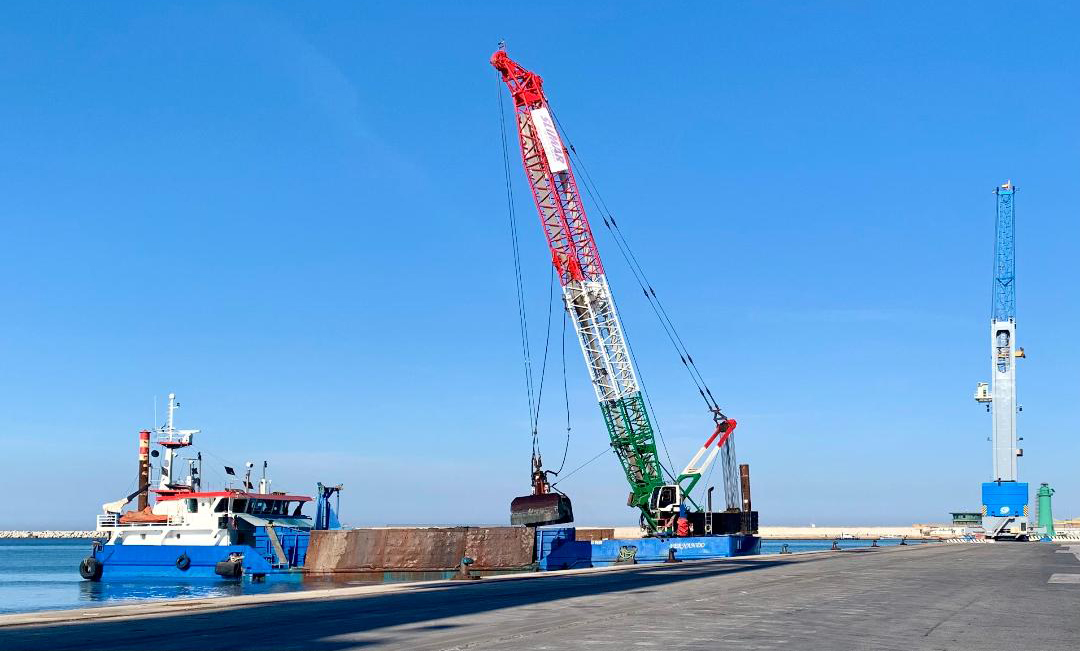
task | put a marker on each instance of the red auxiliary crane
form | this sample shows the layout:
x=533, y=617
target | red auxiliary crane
x=588, y=301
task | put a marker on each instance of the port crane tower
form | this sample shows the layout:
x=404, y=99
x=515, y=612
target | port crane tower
x=588, y=300
x=1004, y=500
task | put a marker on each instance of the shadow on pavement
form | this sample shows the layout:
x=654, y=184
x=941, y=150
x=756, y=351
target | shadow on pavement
x=309, y=624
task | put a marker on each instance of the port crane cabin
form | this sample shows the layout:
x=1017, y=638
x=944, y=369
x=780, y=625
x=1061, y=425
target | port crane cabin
x=588, y=300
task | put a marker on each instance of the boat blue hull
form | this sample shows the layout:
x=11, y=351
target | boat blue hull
x=558, y=550
x=160, y=561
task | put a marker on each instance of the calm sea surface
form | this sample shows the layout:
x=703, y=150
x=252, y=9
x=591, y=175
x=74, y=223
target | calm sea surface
x=43, y=574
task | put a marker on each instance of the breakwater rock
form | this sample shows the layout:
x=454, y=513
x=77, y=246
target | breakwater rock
x=51, y=534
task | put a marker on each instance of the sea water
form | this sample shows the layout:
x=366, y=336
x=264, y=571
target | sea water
x=775, y=546
x=43, y=574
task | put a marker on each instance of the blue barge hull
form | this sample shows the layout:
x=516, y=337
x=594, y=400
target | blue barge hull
x=160, y=561
x=558, y=549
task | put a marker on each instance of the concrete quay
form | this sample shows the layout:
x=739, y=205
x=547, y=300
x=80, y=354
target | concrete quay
x=955, y=597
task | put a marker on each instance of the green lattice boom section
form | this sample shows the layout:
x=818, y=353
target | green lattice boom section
x=632, y=439
x=634, y=444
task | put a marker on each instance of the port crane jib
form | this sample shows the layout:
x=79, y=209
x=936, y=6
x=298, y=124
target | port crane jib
x=588, y=301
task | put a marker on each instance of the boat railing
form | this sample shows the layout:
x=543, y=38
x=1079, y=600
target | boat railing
x=112, y=520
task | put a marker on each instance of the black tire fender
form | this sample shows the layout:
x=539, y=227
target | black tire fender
x=183, y=562
x=90, y=569
x=229, y=569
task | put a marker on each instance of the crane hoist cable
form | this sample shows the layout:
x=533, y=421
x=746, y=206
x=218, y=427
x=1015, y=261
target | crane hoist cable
x=543, y=366
x=534, y=390
x=566, y=396
x=523, y=321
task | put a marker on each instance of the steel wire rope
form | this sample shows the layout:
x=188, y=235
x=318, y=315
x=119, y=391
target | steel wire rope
x=639, y=274
x=658, y=309
x=523, y=323
x=224, y=462
x=602, y=207
x=543, y=365
x=665, y=319
x=566, y=395
x=626, y=336
x=571, y=473
x=667, y=331
x=645, y=289
x=648, y=399
x=127, y=489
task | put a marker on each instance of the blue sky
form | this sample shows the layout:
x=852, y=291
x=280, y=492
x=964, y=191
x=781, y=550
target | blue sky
x=293, y=215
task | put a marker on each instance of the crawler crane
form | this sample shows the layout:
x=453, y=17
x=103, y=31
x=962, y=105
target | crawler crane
x=588, y=300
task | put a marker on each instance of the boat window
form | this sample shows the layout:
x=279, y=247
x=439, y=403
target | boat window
x=239, y=506
x=221, y=504
x=258, y=507
x=192, y=505
x=299, y=505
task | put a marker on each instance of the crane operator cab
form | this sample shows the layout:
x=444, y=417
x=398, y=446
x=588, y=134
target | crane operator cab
x=666, y=500
x=665, y=504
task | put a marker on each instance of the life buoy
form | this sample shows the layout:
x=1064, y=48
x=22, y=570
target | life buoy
x=90, y=569
x=183, y=562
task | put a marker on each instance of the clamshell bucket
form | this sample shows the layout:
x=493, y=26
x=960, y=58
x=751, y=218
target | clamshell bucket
x=537, y=510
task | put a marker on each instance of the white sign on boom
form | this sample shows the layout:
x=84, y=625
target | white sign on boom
x=549, y=138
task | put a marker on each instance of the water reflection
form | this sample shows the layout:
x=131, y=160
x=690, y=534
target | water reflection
x=114, y=591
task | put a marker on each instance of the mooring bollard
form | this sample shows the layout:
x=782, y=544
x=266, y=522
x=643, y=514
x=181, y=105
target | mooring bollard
x=784, y=549
x=671, y=556
x=835, y=546
x=903, y=540
x=874, y=544
x=627, y=555
x=463, y=573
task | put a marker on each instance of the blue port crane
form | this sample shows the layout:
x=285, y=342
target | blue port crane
x=1004, y=499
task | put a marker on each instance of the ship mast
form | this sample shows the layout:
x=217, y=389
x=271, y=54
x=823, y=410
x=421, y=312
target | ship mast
x=171, y=439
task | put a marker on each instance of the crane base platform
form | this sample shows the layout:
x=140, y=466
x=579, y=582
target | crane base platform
x=538, y=510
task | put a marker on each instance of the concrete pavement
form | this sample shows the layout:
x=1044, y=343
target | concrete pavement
x=954, y=597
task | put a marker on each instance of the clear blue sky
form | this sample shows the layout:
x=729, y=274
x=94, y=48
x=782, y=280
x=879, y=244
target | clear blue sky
x=293, y=215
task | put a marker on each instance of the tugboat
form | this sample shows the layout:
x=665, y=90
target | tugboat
x=188, y=533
